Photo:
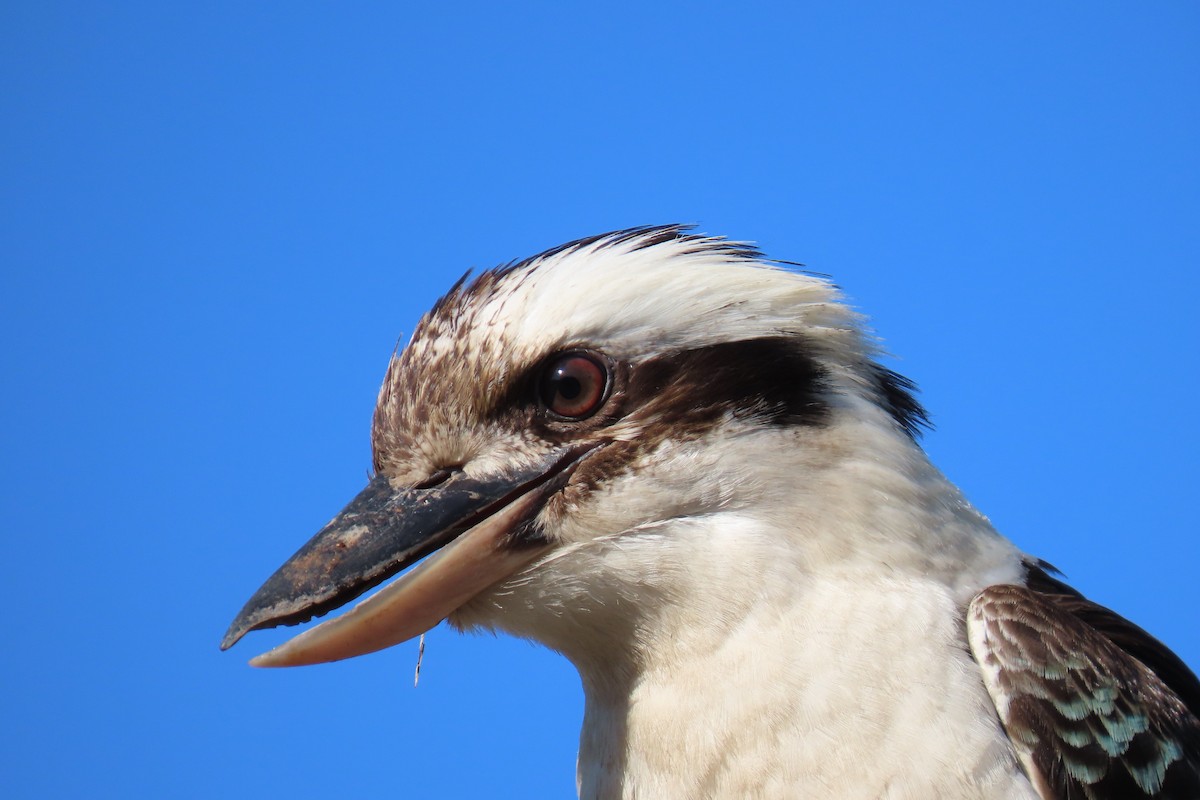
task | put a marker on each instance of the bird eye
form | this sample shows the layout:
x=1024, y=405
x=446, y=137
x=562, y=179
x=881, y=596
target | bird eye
x=573, y=386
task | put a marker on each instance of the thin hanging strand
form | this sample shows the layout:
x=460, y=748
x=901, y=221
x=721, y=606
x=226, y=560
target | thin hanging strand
x=420, y=655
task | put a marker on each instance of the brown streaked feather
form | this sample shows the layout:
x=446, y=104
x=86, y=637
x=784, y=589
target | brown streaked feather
x=1088, y=716
x=1124, y=634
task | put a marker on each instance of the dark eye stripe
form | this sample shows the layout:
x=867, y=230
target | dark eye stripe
x=772, y=379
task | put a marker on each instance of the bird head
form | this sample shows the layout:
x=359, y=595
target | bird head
x=572, y=443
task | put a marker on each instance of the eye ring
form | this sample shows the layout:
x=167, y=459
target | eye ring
x=573, y=385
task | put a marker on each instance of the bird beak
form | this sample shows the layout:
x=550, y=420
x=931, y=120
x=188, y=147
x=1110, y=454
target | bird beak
x=482, y=529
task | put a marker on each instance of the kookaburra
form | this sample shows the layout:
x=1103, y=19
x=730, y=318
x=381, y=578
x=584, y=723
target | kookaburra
x=682, y=466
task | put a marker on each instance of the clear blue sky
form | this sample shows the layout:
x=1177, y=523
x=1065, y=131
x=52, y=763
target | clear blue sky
x=216, y=220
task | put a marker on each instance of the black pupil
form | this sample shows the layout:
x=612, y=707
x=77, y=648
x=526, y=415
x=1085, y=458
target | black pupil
x=567, y=387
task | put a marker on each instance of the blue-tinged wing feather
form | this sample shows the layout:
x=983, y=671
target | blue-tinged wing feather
x=1096, y=707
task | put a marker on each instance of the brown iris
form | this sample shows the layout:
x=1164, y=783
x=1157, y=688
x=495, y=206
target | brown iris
x=573, y=385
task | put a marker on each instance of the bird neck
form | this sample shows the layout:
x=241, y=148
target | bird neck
x=861, y=686
x=771, y=710
x=837, y=646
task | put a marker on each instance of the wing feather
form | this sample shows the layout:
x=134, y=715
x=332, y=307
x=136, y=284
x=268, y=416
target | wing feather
x=1096, y=707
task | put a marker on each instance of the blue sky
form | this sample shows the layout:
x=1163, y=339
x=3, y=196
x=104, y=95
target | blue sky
x=215, y=221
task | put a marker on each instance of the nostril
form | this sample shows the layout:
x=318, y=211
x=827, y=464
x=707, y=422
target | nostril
x=438, y=477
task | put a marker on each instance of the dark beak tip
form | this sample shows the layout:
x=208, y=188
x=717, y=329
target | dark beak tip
x=237, y=629
x=257, y=613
